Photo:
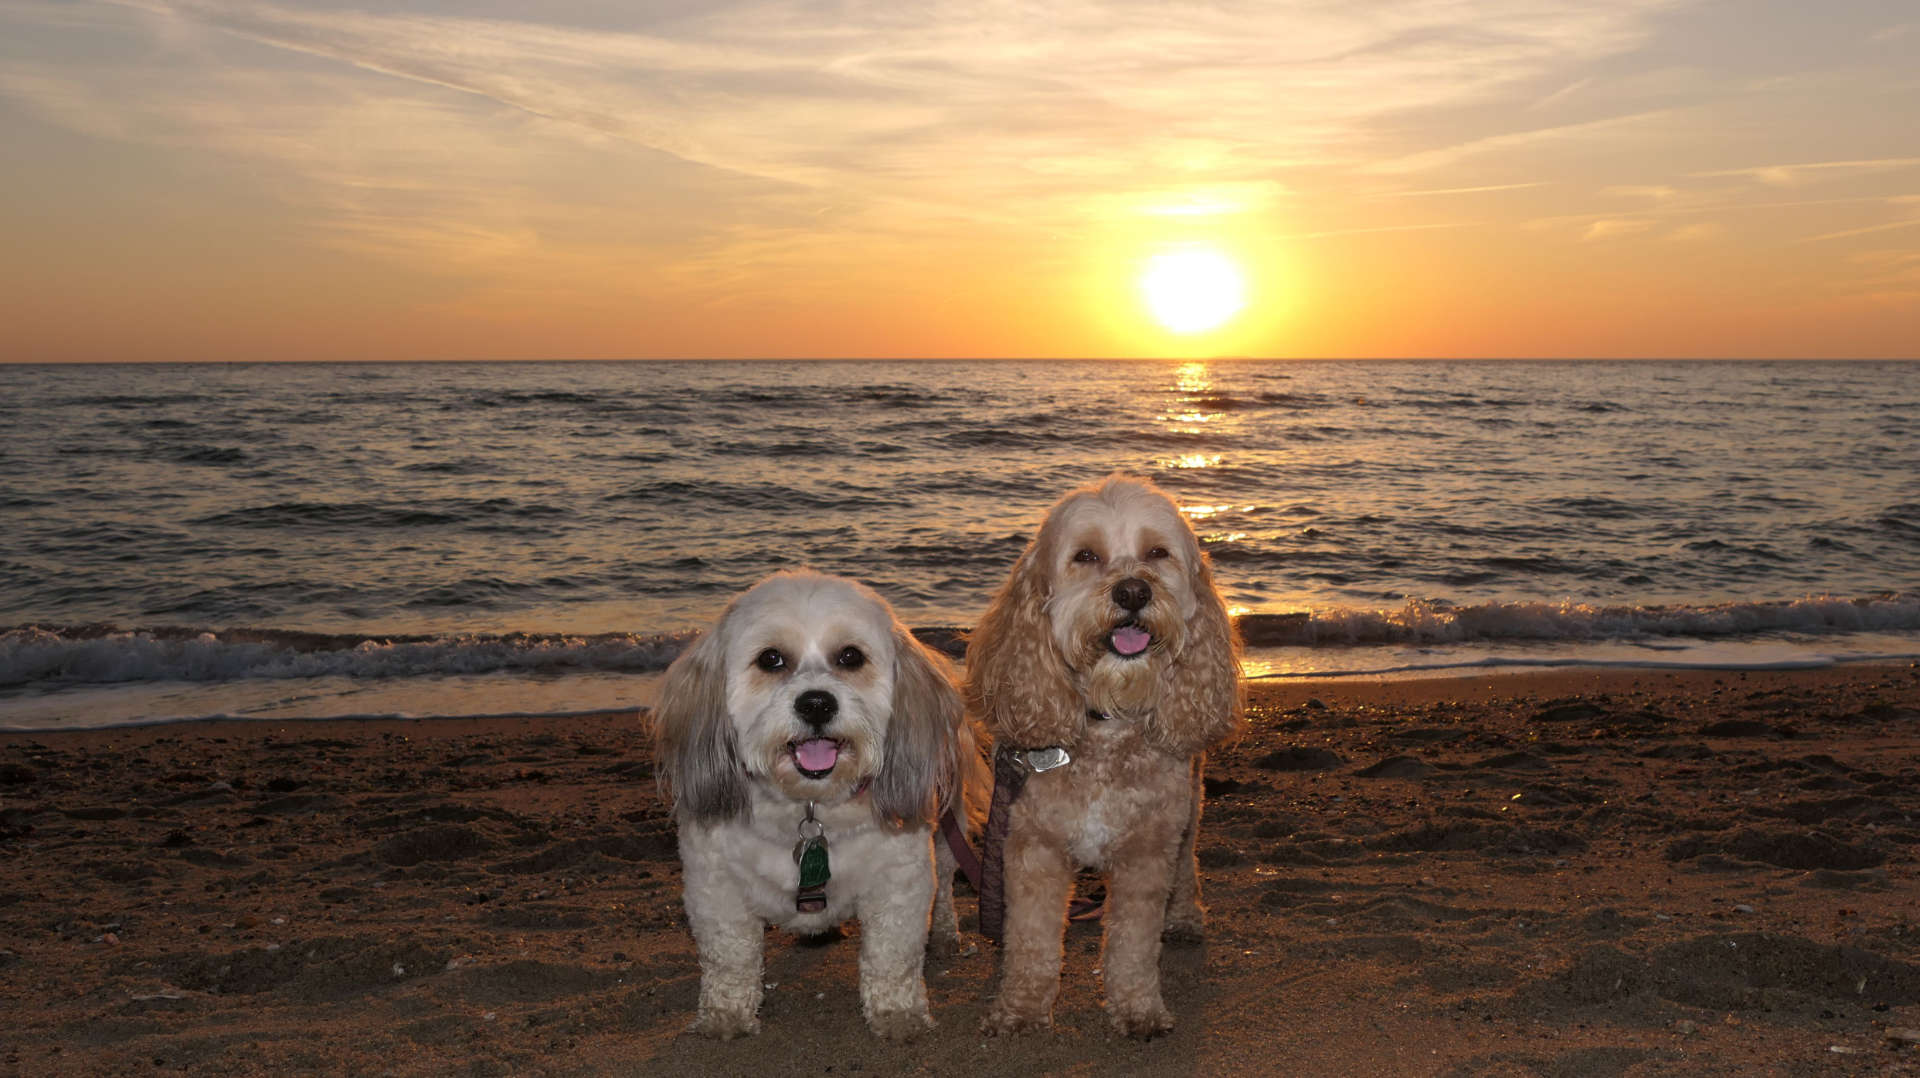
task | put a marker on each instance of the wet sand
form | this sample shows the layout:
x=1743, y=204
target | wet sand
x=1564, y=874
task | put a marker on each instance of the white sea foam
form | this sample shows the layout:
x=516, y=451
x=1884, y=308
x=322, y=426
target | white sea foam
x=560, y=695
x=37, y=655
x=1766, y=652
x=495, y=695
x=1438, y=623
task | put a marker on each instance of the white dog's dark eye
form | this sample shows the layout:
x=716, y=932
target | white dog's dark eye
x=770, y=660
x=1086, y=556
x=1156, y=553
x=850, y=658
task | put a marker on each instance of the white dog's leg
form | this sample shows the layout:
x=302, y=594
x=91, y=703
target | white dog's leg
x=729, y=938
x=1186, y=918
x=893, y=950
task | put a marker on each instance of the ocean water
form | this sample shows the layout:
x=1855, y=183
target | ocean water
x=350, y=539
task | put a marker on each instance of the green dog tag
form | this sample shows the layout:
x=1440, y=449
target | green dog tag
x=811, y=854
x=813, y=863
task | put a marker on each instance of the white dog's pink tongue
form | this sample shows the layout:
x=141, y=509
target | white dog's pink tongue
x=1131, y=639
x=817, y=754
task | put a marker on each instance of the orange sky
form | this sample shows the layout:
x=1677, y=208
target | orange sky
x=223, y=179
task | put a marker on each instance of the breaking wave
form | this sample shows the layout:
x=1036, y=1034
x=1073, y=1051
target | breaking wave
x=95, y=654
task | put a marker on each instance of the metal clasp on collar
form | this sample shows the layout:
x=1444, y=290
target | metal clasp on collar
x=1044, y=760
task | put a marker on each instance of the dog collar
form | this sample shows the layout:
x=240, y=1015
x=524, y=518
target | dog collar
x=854, y=796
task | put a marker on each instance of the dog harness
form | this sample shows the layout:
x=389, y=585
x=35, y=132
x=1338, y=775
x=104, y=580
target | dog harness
x=1011, y=768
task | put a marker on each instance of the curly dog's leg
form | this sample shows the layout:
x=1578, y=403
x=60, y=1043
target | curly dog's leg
x=1039, y=879
x=1137, y=886
x=1186, y=917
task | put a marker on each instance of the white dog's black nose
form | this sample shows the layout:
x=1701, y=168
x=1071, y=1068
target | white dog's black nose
x=1131, y=594
x=816, y=707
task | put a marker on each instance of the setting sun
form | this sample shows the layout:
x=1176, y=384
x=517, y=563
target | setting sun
x=1192, y=290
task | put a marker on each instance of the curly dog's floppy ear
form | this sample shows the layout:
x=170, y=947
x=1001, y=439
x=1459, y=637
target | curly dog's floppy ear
x=700, y=768
x=918, y=765
x=1204, y=698
x=1017, y=683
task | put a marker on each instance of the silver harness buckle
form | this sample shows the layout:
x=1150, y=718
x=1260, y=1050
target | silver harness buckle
x=1044, y=760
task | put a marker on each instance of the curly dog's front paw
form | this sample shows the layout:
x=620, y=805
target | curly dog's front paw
x=1145, y=1025
x=940, y=945
x=1184, y=932
x=1006, y=1020
x=725, y=1025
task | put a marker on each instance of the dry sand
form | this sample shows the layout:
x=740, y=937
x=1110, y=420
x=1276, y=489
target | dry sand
x=1556, y=874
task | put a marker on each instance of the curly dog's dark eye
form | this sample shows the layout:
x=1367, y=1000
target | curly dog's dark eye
x=1086, y=556
x=1157, y=553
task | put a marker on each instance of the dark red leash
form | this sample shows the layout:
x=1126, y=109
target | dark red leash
x=963, y=854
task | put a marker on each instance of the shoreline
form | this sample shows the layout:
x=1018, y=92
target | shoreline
x=509, y=694
x=1581, y=872
x=1271, y=690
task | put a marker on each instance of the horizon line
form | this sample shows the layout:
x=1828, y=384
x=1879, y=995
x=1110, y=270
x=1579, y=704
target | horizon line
x=951, y=359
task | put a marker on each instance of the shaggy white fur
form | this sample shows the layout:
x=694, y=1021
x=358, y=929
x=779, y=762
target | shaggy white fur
x=809, y=697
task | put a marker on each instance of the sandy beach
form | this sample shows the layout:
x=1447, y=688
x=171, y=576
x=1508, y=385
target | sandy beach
x=1566, y=873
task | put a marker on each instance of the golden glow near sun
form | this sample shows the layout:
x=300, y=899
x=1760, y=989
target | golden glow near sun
x=1192, y=289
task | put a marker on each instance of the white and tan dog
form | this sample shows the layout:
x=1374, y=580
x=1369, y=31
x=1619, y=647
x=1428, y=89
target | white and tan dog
x=1107, y=641
x=808, y=711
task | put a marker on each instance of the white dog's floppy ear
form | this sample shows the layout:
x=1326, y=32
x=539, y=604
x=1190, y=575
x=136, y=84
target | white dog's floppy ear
x=1017, y=683
x=1205, y=698
x=699, y=763
x=919, y=763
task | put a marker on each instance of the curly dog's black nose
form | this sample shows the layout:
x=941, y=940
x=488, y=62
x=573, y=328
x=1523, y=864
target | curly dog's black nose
x=1131, y=594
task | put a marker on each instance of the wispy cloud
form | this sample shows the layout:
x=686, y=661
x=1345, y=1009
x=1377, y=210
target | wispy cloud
x=1613, y=227
x=1429, y=227
x=1481, y=190
x=701, y=151
x=1890, y=226
x=1799, y=174
x=1650, y=192
x=897, y=108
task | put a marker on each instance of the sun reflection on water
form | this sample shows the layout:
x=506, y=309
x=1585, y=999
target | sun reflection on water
x=1192, y=378
x=1208, y=512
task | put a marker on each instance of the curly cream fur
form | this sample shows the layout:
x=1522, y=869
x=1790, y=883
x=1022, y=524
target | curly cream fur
x=725, y=734
x=1043, y=658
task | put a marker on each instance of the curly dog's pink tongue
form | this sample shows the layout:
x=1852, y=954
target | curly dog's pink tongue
x=1131, y=639
x=817, y=754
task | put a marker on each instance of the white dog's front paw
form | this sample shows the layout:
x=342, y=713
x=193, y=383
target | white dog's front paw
x=901, y=1025
x=725, y=1025
x=1144, y=1024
